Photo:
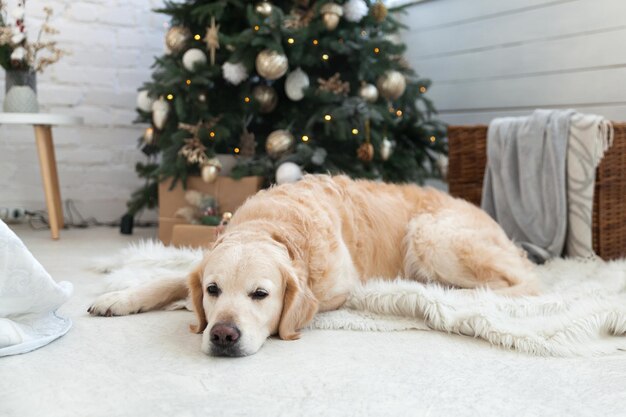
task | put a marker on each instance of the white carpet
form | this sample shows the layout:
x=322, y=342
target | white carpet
x=151, y=365
x=582, y=309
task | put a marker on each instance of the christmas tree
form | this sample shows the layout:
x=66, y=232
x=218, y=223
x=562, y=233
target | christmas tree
x=320, y=86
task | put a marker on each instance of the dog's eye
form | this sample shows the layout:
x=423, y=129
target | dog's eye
x=259, y=294
x=213, y=290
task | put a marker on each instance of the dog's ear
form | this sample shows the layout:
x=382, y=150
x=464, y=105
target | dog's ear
x=196, y=292
x=299, y=303
x=299, y=306
x=292, y=241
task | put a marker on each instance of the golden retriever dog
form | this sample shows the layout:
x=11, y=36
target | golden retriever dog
x=297, y=249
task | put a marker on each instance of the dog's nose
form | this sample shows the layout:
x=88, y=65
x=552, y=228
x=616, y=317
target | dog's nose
x=224, y=335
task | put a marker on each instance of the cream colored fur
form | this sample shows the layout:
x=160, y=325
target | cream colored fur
x=311, y=243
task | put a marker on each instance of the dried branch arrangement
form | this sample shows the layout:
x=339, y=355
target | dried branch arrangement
x=16, y=51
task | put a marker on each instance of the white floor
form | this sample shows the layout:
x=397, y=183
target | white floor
x=151, y=365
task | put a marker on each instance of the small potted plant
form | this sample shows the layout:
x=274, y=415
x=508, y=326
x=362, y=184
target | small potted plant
x=23, y=59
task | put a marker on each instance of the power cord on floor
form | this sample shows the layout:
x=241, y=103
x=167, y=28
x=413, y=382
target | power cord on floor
x=75, y=220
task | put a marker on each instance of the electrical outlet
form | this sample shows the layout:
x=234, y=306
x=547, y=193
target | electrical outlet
x=12, y=214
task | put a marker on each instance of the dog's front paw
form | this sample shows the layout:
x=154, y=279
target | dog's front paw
x=116, y=303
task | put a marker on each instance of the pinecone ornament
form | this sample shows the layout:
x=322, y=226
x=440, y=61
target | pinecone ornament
x=365, y=152
x=379, y=11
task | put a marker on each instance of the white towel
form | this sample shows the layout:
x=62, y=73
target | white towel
x=590, y=137
x=29, y=298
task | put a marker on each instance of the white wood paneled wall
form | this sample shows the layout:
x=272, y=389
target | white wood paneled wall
x=490, y=58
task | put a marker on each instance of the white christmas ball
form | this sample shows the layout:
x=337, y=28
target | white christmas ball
x=368, y=92
x=193, y=57
x=144, y=101
x=355, y=10
x=295, y=84
x=234, y=73
x=386, y=149
x=160, y=111
x=288, y=172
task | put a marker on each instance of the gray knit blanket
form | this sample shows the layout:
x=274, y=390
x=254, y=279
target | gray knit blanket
x=524, y=188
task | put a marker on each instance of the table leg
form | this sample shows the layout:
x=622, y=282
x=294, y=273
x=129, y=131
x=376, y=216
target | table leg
x=58, y=201
x=50, y=178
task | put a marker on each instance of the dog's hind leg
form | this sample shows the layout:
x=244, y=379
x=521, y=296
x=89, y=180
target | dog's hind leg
x=465, y=249
x=145, y=297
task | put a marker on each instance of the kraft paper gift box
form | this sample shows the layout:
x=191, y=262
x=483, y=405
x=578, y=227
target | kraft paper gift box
x=228, y=192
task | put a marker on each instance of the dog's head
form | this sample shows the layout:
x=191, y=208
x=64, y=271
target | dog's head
x=246, y=289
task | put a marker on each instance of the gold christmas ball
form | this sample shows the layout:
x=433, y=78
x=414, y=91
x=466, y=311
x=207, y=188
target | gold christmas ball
x=271, y=64
x=365, y=152
x=266, y=97
x=148, y=136
x=386, y=149
x=391, y=84
x=264, y=8
x=369, y=93
x=331, y=21
x=278, y=142
x=210, y=173
x=176, y=38
x=211, y=170
x=379, y=11
x=331, y=14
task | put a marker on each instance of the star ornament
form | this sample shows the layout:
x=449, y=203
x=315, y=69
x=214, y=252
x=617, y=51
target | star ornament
x=334, y=85
x=194, y=129
x=212, y=39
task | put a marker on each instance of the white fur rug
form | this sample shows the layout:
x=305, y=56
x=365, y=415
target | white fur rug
x=582, y=310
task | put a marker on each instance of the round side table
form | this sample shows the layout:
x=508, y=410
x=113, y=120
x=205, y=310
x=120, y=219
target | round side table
x=42, y=123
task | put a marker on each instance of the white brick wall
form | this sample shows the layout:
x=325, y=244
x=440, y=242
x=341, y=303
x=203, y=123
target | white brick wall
x=113, y=43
